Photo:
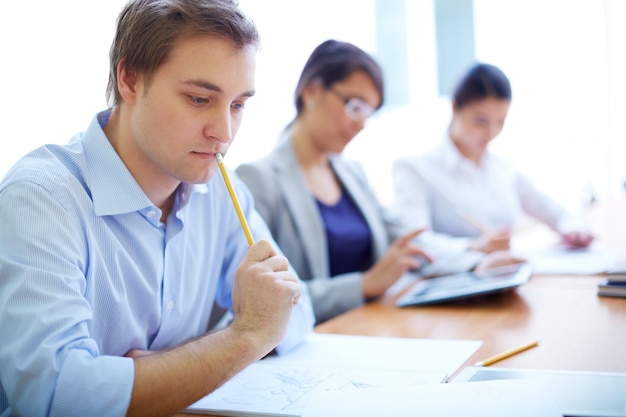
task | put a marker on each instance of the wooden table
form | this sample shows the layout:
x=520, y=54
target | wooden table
x=576, y=328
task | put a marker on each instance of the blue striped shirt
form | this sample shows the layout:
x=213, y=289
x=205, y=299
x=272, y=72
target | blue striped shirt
x=88, y=272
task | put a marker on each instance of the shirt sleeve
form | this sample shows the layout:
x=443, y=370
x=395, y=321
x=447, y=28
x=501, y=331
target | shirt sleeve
x=543, y=207
x=411, y=195
x=49, y=364
x=412, y=206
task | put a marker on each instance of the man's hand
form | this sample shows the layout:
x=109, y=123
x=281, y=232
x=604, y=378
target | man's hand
x=264, y=295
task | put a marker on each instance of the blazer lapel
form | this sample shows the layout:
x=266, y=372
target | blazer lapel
x=367, y=203
x=299, y=200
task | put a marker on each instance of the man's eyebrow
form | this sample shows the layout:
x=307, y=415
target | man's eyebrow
x=213, y=87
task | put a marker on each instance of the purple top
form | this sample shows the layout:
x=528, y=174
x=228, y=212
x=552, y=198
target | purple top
x=348, y=234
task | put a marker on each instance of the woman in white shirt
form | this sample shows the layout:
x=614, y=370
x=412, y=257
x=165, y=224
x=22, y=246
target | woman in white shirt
x=463, y=193
x=319, y=205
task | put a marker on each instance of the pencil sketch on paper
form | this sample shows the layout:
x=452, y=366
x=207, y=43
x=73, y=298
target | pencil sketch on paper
x=285, y=390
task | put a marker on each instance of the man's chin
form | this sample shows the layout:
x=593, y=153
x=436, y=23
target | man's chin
x=201, y=178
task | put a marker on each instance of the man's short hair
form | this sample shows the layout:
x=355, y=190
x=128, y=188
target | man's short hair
x=147, y=29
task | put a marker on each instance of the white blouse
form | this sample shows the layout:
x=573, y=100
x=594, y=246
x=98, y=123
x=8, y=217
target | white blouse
x=439, y=189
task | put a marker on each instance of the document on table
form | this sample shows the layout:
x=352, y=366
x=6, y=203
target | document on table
x=282, y=385
x=570, y=261
x=576, y=393
x=512, y=398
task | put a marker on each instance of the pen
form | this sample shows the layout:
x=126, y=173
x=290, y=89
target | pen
x=233, y=197
x=507, y=354
x=473, y=222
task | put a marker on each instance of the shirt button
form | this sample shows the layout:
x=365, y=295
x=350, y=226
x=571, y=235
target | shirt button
x=151, y=213
x=170, y=304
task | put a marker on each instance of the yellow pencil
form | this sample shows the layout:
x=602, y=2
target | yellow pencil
x=507, y=354
x=233, y=197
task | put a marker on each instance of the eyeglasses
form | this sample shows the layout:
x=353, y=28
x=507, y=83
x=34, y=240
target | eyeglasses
x=354, y=107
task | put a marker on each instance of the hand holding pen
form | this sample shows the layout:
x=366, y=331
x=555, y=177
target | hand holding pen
x=262, y=257
x=490, y=240
x=494, y=241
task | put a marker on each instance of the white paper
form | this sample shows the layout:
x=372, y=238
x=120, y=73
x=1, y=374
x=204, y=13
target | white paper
x=510, y=398
x=282, y=385
x=576, y=393
x=565, y=260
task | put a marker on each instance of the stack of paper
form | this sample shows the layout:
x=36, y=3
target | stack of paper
x=569, y=261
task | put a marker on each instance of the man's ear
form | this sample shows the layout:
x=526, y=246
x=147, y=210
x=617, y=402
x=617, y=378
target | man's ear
x=127, y=82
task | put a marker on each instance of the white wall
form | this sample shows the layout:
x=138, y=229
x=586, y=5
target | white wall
x=557, y=56
x=566, y=126
x=54, y=70
x=290, y=30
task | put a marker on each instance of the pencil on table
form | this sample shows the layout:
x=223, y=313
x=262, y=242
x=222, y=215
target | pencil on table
x=507, y=354
x=233, y=197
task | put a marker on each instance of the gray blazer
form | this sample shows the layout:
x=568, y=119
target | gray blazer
x=283, y=199
x=291, y=213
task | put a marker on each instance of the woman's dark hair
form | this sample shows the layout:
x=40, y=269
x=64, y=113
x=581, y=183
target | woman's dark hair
x=480, y=82
x=334, y=61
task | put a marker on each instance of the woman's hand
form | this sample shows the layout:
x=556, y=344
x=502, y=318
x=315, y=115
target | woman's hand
x=493, y=241
x=578, y=239
x=402, y=255
x=497, y=259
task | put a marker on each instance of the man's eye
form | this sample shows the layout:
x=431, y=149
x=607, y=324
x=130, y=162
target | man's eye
x=239, y=106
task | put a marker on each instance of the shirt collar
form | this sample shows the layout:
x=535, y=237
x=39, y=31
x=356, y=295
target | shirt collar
x=113, y=188
x=185, y=192
x=452, y=159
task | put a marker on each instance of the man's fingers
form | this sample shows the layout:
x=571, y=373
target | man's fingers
x=260, y=251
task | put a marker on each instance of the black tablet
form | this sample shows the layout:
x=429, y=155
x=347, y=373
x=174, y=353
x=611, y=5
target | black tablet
x=465, y=285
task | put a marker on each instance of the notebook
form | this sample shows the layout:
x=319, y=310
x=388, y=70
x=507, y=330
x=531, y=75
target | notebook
x=612, y=289
x=465, y=285
x=577, y=393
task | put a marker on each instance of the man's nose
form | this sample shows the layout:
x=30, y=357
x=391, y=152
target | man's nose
x=219, y=125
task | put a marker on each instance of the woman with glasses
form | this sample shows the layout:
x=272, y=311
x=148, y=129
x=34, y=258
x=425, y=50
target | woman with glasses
x=318, y=205
x=463, y=193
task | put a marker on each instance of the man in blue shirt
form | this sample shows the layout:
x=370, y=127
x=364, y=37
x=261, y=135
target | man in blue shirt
x=114, y=247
